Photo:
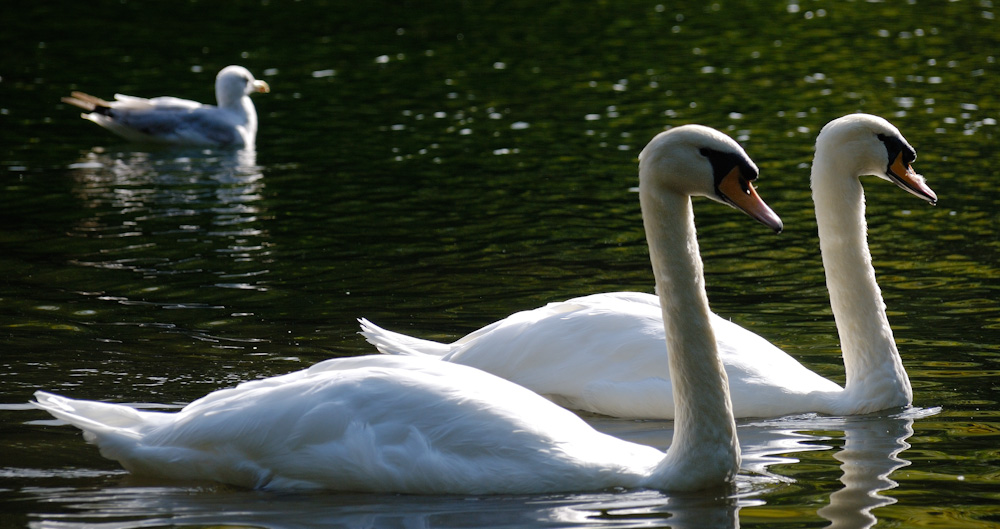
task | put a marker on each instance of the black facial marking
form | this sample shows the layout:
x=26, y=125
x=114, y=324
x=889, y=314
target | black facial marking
x=723, y=164
x=894, y=146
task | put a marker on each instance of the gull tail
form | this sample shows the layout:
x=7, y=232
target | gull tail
x=87, y=102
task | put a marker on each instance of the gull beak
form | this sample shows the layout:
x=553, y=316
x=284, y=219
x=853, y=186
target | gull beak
x=905, y=177
x=261, y=87
x=737, y=191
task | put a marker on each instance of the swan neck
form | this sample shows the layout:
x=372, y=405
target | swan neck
x=875, y=374
x=704, y=445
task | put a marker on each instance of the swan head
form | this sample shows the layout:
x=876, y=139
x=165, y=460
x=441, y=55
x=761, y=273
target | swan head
x=234, y=82
x=870, y=145
x=695, y=160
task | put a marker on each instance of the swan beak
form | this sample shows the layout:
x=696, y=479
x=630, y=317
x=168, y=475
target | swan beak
x=261, y=87
x=905, y=177
x=739, y=192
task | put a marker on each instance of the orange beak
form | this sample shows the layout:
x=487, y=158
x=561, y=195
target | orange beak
x=739, y=192
x=261, y=86
x=905, y=177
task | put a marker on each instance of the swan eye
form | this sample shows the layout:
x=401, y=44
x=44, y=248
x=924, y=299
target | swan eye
x=745, y=185
x=723, y=163
x=895, y=147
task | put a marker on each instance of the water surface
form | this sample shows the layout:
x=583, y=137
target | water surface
x=435, y=168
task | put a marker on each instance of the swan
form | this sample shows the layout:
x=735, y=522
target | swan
x=176, y=121
x=603, y=353
x=417, y=425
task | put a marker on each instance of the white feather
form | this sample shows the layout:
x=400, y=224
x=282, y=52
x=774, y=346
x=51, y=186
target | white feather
x=171, y=120
x=417, y=425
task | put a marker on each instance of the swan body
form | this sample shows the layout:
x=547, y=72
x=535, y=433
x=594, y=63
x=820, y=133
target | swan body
x=603, y=353
x=610, y=367
x=373, y=423
x=171, y=120
x=417, y=425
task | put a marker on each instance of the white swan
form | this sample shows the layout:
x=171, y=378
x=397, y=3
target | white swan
x=171, y=120
x=416, y=425
x=603, y=353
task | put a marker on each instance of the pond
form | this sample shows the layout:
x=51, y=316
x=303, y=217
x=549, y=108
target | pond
x=437, y=167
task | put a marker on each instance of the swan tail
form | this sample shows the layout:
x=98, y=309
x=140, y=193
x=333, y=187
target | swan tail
x=101, y=422
x=394, y=343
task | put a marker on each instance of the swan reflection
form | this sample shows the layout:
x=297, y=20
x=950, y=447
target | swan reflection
x=873, y=447
x=135, y=506
x=872, y=450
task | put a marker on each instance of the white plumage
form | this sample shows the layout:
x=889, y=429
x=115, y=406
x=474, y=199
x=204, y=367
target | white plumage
x=391, y=424
x=604, y=352
x=170, y=120
x=417, y=425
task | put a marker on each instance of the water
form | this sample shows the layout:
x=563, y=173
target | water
x=436, y=168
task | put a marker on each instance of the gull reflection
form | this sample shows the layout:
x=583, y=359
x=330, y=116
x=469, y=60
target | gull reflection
x=174, y=211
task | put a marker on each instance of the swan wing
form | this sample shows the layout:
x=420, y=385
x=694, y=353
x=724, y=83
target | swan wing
x=389, y=342
x=367, y=424
x=604, y=353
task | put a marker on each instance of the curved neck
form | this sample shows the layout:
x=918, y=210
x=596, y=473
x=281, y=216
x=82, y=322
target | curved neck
x=704, y=448
x=231, y=99
x=250, y=113
x=876, y=378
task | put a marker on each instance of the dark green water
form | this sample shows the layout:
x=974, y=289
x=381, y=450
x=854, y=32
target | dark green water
x=437, y=167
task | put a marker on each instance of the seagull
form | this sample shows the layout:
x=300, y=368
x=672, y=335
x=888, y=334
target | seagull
x=174, y=121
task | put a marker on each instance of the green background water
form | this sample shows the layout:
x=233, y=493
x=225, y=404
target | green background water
x=437, y=166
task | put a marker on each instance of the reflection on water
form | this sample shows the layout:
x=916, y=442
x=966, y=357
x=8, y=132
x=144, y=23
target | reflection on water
x=873, y=447
x=444, y=164
x=872, y=452
x=202, y=201
x=131, y=507
x=161, y=244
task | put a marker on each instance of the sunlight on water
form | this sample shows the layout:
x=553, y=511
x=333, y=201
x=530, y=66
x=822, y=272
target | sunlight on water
x=437, y=168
